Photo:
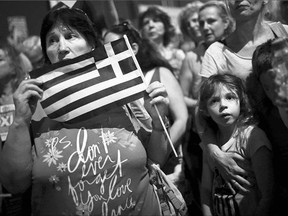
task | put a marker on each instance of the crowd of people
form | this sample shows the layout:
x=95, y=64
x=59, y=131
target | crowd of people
x=220, y=92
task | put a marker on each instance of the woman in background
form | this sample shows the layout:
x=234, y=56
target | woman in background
x=13, y=69
x=189, y=26
x=156, y=25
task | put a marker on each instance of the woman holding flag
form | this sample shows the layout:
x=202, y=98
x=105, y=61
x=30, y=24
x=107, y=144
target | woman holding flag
x=92, y=166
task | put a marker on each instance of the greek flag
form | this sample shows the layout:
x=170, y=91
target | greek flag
x=80, y=88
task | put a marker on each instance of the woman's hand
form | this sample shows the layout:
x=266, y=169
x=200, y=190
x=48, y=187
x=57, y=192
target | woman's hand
x=25, y=99
x=156, y=95
x=235, y=169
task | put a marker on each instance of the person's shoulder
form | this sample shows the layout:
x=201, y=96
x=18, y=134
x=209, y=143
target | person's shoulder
x=215, y=47
x=165, y=70
x=256, y=133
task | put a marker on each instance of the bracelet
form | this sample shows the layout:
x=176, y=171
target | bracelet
x=161, y=129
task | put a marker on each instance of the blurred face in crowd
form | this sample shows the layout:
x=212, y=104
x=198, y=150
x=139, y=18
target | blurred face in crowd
x=63, y=42
x=153, y=28
x=193, y=26
x=245, y=9
x=5, y=64
x=211, y=24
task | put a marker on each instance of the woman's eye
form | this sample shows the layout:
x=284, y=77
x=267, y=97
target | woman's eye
x=51, y=40
x=70, y=36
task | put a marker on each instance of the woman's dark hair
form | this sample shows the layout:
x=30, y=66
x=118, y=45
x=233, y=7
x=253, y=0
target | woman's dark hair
x=147, y=56
x=233, y=83
x=72, y=18
x=155, y=12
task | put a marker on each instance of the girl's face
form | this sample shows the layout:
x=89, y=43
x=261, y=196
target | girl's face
x=224, y=107
x=212, y=25
x=245, y=9
x=153, y=28
x=193, y=26
x=65, y=43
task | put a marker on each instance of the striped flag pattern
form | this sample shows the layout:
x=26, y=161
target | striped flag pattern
x=80, y=88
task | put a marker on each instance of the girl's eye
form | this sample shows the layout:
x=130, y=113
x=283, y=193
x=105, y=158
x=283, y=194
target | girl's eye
x=213, y=101
x=231, y=97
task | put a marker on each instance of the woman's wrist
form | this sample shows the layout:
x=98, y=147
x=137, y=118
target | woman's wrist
x=159, y=127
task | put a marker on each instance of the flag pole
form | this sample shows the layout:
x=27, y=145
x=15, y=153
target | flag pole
x=166, y=132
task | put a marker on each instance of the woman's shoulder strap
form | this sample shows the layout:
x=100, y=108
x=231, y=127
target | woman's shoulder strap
x=278, y=29
x=156, y=75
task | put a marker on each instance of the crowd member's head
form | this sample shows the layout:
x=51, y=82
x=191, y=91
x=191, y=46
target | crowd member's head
x=146, y=53
x=32, y=49
x=265, y=73
x=11, y=65
x=215, y=21
x=156, y=25
x=188, y=21
x=223, y=101
x=66, y=33
x=250, y=8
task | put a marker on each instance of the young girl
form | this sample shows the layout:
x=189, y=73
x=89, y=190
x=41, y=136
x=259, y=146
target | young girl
x=223, y=104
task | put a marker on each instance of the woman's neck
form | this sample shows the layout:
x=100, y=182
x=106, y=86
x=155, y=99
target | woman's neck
x=248, y=35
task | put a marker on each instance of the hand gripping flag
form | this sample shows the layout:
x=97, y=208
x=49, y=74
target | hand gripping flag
x=80, y=88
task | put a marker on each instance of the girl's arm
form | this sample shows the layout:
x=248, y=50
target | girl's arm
x=16, y=155
x=263, y=169
x=177, y=105
x=206, y=188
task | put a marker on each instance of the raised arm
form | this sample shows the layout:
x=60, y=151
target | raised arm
x=177, y=105
x=158, y=147
x=16, y=155
x=185, y=80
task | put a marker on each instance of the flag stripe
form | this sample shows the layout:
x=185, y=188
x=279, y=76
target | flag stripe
x=70, y=75
x=64, y=91
x=90, y=90
x=105, y=108
x=97, y=96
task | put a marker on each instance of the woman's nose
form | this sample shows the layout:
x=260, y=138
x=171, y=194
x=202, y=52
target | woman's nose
x=62, y=48
x=205, y=26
